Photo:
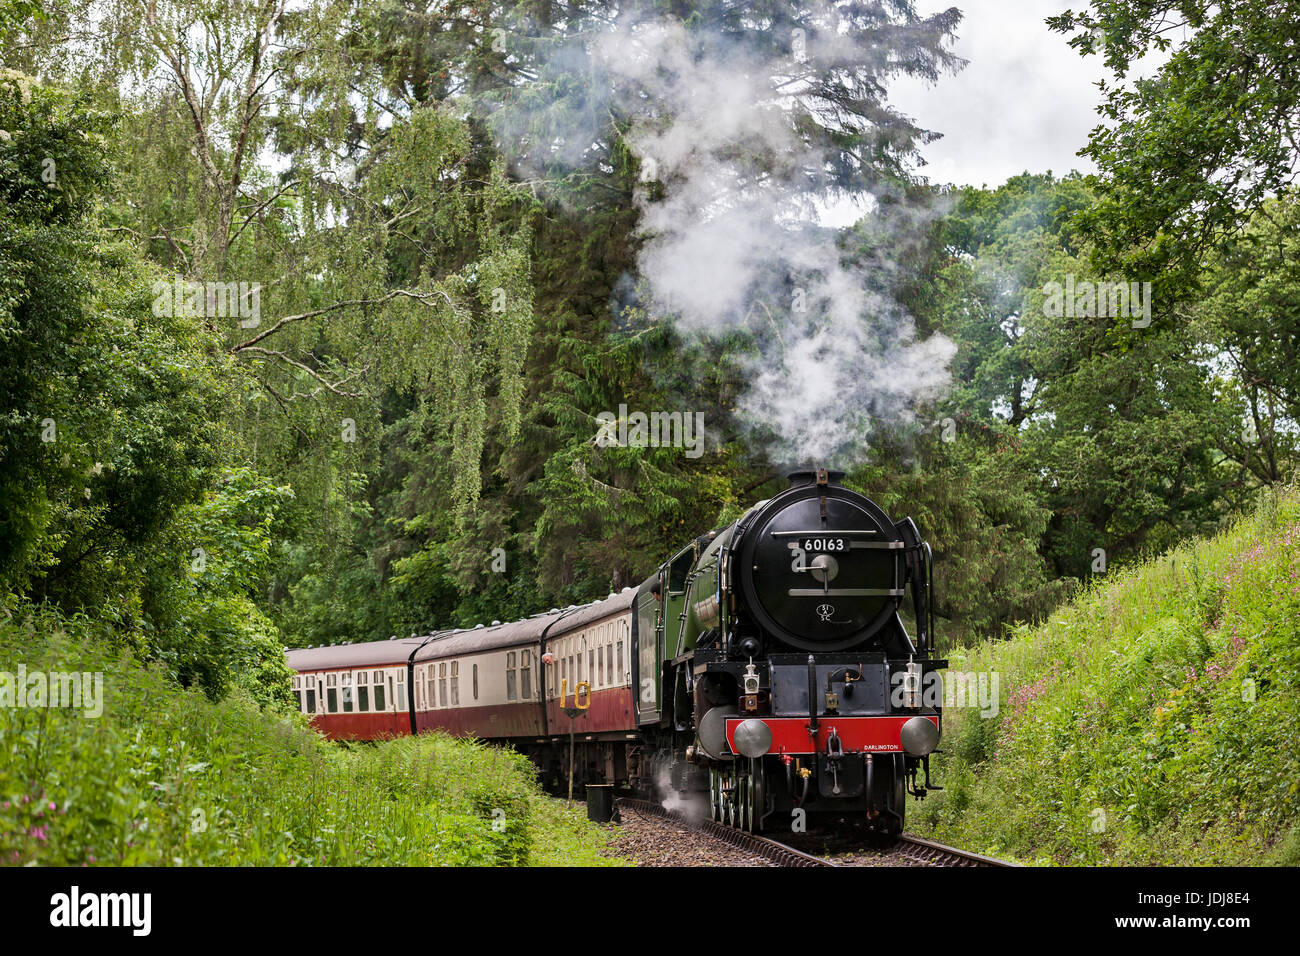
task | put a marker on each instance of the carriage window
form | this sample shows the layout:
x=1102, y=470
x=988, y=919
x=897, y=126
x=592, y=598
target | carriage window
x=332, y=700
x=476, y=682
x=455, y=683
x=401, y=690
x=591, y=664
x=380, y=700
x=609, y=662
x=442, y=684
x=620, y=660
x=600, y=667
x=526, y=674
x=347, y=699
x=512, y=690
x=311, y=700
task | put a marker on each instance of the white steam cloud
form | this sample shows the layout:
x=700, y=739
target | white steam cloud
x=730, y=241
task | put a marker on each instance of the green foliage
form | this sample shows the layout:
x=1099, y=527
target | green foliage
x=1190, y=153
x=1129, y=444
x=115, y=501
x=165, y=776
x=108, y=427
x=1251, y=311
x=1147, y=723
x=980, y=512
x=13, y=12
x=207, y=626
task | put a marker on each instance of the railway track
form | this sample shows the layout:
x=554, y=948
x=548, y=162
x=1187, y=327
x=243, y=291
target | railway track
x=928, y=853
x=914, y=850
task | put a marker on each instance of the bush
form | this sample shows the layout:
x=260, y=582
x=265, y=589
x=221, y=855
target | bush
x=167, y=776
x=1150, y=722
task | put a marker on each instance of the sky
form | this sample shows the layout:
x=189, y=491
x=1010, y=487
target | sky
x=1025, y=101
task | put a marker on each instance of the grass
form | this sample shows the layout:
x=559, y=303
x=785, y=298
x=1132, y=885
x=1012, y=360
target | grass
x=1154, y=720
x=167, y=777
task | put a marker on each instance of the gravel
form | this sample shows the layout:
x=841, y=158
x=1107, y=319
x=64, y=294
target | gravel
x=650, y=840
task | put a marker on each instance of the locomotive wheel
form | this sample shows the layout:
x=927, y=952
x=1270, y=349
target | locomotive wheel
x=889, y=798
x=751, y=812
x=715, y=795
x=743, y=807
x=728, y=800
x=757, y=796
x=900, y=790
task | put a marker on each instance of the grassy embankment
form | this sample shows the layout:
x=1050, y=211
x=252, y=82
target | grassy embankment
x=1154, y=720
x=165, y=776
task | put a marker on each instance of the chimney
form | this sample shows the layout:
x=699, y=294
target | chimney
x=814, y=476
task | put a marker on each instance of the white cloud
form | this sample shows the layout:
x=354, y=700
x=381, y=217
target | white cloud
x=1025, y=101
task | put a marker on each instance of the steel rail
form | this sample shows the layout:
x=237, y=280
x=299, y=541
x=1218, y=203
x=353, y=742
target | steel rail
x=927, y=852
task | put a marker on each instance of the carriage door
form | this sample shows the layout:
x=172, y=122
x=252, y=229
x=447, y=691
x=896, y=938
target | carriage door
x=648, y=671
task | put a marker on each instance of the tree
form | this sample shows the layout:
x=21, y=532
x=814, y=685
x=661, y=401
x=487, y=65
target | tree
x=1251, y=313
x=1122, y=444
x=1189, y=154
x=111, y=443
x=334, y=254
x=109, y=424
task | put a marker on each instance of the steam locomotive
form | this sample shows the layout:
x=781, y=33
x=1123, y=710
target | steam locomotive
x=764, y=672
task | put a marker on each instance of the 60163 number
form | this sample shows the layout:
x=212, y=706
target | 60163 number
x=825, y=544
